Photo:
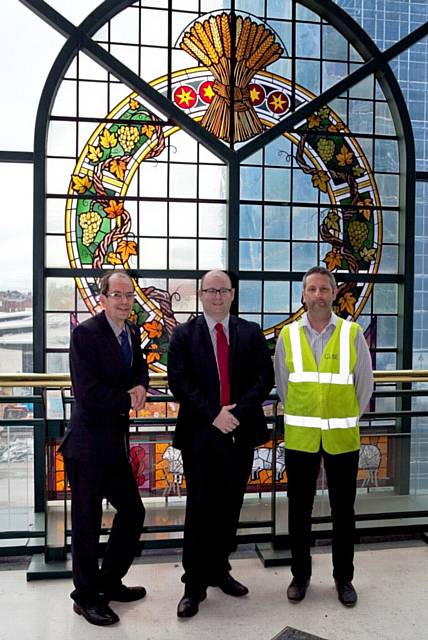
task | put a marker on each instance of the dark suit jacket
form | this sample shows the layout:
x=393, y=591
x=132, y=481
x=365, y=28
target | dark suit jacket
x=99, y=425
x=194, y=381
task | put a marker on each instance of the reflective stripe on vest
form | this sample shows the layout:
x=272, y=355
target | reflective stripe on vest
x=320, y=423
x=343, y=377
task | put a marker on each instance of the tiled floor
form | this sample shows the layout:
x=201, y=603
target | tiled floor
x=392, y=585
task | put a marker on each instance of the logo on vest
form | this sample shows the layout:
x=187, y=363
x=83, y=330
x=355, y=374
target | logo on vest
x=330, y=356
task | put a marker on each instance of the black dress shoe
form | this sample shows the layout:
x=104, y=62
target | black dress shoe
x=189, y=604
x=125, y=594
x=346, y=593
x=99, y=614
x=297, y=590
x=232, y=587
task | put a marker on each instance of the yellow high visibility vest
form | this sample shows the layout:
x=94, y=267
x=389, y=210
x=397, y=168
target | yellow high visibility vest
x=321, y=407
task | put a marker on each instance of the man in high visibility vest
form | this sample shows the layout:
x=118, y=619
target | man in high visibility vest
x=324, y=378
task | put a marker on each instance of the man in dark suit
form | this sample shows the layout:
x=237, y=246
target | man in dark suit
x=220, y=370
x=109, y=377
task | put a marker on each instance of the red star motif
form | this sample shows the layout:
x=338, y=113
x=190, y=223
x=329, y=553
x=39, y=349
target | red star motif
x=278, y=102
x=185, y=96
x=257, y=94
x=206, y=92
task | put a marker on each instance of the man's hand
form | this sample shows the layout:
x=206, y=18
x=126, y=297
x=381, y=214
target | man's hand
x=226, y=421
x=138, y=397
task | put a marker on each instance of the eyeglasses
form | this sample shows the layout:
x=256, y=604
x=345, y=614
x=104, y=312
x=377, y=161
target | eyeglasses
x=212, y=292
x=117, y=295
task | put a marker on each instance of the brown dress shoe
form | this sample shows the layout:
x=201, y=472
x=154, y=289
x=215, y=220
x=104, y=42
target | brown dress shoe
x=297, y=590
x=346, y=593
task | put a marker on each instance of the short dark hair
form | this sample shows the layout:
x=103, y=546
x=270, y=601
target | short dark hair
x=104, y=281
x=324, y=272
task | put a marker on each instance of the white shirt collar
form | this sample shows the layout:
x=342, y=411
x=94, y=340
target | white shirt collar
x=332, y=322
x=211, y=322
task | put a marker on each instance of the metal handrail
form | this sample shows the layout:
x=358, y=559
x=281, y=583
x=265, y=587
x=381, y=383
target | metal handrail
x=59, y=380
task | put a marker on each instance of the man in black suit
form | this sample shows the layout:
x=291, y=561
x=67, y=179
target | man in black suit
x=220, y=370
x=109, y=377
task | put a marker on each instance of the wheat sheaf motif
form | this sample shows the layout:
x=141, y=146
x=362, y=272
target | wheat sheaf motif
x=210, y=42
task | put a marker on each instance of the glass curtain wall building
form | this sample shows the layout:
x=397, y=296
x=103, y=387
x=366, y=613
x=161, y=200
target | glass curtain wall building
x=262, y=137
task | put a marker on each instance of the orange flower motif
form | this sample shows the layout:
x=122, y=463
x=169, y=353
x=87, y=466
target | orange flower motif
x=313, y=121
x=347, y=302
x=126, y=249
x=333, y=259
x=118, y=168
x=320, y=180
x=367, y=203
x=154, y=329
x=81, y=185
x=154, y=354
x=113, y=258
x=344, y=157
x=114, y=209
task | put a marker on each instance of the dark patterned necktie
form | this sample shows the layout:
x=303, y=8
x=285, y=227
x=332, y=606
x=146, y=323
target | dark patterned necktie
x=125, y=348
x=223, y=364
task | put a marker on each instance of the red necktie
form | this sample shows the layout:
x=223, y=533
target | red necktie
x=223, y=364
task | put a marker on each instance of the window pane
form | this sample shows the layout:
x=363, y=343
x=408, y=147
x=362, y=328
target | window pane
x=250, y=255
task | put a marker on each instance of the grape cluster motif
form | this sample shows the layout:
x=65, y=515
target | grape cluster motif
x=90, y=223
x=358, y=233
x=326, y=149
x=128, y=137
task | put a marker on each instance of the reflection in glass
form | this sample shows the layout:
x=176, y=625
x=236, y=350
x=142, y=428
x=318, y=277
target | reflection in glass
x=276, y=256
x=276, y=297
x=212, y=254
x=250, y=255
x=385, y=298
x=153, y=218
x=277, y=223
x=212, y=220
x=277, y=184
x=389, y=261
x=182, y=254
x=212, y=181
x=59, y=294
x=57, y=330
x=304, y=256
x=308, y=39
x=250, y=221
x=153, y=253
x=182, y=219
x=250, y=295
x=305, y=223
x=386, y=155
x=386, y=331
x=308, y=75
x=251, y=183
x=303, y=189
x=182, y=180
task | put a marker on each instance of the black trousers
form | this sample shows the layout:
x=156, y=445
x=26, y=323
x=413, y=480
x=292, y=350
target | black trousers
x=302, y=472
x=216, y=478
x=90, y=483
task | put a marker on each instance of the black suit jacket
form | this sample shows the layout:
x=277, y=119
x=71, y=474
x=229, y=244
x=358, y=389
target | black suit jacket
x=194, y=381
x=99, y=425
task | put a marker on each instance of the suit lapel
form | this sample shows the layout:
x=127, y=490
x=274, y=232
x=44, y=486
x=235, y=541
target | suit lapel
x=204, y=339
x=113, y=342
x=233, y=344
